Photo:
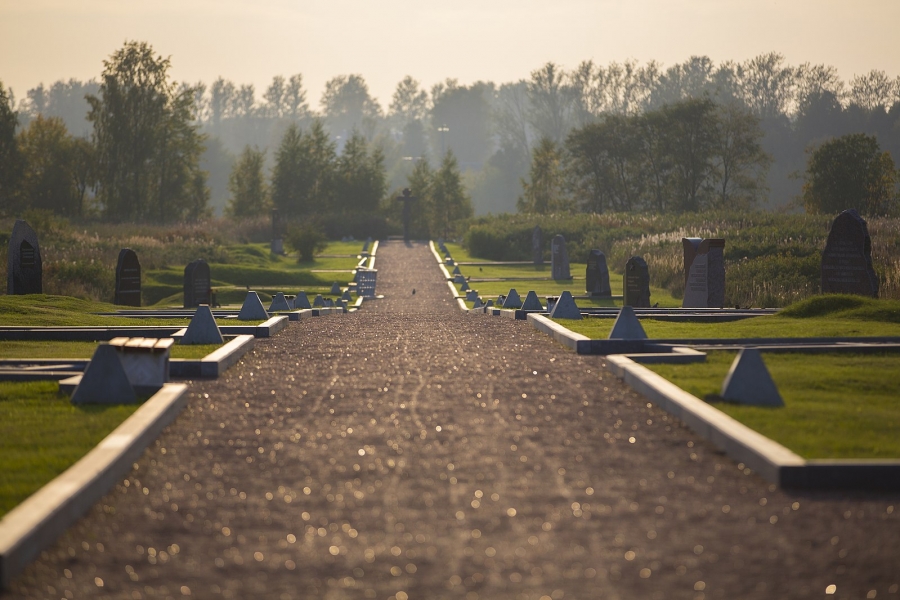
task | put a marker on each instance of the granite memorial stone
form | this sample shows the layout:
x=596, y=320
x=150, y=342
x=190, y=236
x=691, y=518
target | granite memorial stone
x=597, y=275
x=704, y=273
x=128, y=279
x=636, y=287
x=197, y=288
x=559, y=259
x=847, y=258
x=24, y=273
x=537, y=245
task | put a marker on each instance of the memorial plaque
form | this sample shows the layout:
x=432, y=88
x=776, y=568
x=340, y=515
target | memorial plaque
x=636, y=286
x=197, y=289
x=537, y=245
x=704, y=273
x=128, y=279
x=847, y=258
x=24, y=268
x=597, y=275
x=559, y=259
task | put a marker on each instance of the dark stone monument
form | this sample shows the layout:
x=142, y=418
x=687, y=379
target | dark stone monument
x=128, y=279
x=537, y=245
x=636, y=287
x=559, y=259
x=197, y=288
x=24, y=270
x=597, y=275
x=847, y=258
x=407, y=199
x=277, y=245
x=704, y=273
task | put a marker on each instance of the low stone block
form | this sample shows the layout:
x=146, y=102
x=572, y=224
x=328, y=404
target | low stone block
x=203, y=328
x=104, y=380
x=749, y=382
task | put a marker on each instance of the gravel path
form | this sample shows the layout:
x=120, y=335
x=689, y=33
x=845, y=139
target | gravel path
x=409, y=451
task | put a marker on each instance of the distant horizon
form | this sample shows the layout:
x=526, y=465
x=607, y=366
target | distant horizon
x=500, y=42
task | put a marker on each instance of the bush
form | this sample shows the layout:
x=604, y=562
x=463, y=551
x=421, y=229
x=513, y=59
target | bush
x=306, y=240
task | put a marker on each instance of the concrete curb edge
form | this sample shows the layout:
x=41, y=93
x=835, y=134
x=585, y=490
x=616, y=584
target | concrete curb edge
x=39, y=520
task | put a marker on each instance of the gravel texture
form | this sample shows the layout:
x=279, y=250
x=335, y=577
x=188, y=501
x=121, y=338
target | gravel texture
x=410, y=451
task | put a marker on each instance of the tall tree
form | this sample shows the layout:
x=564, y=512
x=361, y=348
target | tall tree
x=303, y=176
x=247, y=184
x=408, y=108
x=461, y=121
x=740, y=162
x=347, y=105
x=295, y=104
x=450, y=201
x=545, y=191
x=360, y=178
x=690, y=143
x=851, y=172
x=552, y=102
x=10, y=157
x=768, y=84
x=50, y=178
x=874, y=90
x=147, y=146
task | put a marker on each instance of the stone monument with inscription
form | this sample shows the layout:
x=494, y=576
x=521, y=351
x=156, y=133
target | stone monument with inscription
x=704, y=273
x=24, y=269
x=197, y=288
x=537, y=245
x=128, y=279
x=847, y=258
x=559, y=259
x=597, y=275
x=636, y=284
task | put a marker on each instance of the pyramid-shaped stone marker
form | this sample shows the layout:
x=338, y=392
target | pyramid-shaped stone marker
x=489, y=304
x=478, y=303
x=104, y=380
x=464, y=286
x=456, y=270
x=471, y=295
x=252, y=308
x=627, y=326
x=279, y=302
x=203, y=328
x=748, y=381
x=301, y=301
x=565, y=307
x=346, y=296
x=335, y=289
x=532, y=302
x=319, y=301
x=512, y=300
x=459, y=278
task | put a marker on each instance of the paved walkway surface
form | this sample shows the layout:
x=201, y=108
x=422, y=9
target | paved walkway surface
x=409, y=451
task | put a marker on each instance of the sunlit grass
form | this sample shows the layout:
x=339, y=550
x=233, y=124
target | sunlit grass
x=85, y=350
x=835, y=405
x=42, y=434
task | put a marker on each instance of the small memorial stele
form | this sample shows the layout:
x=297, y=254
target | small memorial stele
x=704, y=273
x=847, y=258
x=597, y=275
x=128, y=279
x=636, y=286
x=24, y=274
x=537, y=245
x=197, y=288
x=559, y=259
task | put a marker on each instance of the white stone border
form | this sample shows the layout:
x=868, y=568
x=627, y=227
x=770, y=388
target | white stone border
x=39, y=520
x=568, y=338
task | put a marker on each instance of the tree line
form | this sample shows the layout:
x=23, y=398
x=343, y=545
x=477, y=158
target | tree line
x=498, y=131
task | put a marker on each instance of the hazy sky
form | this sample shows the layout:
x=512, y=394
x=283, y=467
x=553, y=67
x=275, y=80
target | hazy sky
x=250, y=41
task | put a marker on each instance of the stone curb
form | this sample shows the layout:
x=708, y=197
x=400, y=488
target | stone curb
x=459, y=301
x=574, y=341
x=44, y=516
x=771, y=460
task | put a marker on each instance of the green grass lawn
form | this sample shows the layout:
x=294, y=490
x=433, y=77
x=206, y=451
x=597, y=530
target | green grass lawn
x=42, y=434
x=820, y=316
x=85, y=350
x=41, y=310
x=835, y=405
